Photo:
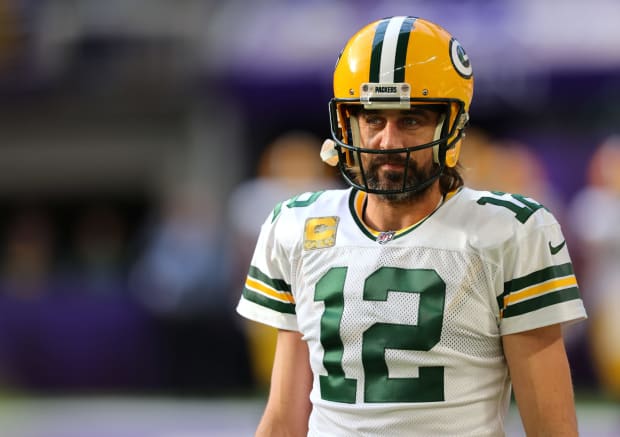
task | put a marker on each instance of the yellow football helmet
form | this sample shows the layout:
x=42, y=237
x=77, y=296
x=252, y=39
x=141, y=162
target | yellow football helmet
x=394, y=63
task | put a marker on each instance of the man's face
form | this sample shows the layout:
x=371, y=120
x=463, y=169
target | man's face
x=396, y=129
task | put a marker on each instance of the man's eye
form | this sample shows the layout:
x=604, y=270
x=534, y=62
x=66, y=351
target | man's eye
x=373, y=120
x=410, y=122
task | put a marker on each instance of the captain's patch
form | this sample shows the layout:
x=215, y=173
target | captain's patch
x=320, y=232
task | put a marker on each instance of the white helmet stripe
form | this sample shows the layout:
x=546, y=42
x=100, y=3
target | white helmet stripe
x=388, y=52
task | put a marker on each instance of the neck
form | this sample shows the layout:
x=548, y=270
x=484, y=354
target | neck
x=383, y=215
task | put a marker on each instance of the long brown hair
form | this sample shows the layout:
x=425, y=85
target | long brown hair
x=450, y=179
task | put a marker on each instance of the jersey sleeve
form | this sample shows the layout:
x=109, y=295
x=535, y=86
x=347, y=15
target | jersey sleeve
x=267, y=296
x=539, y=285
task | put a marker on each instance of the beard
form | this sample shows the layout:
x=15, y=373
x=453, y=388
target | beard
x=379, y=179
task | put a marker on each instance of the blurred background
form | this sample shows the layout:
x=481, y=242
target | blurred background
x=142, y=144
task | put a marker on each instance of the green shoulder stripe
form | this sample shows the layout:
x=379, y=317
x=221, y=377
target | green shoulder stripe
x=281, y=307
x=276, y=284
x=276, y=212
x=542, y=302
x=534, y=278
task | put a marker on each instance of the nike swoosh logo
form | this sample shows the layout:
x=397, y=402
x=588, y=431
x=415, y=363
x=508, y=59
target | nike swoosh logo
x=556, y=249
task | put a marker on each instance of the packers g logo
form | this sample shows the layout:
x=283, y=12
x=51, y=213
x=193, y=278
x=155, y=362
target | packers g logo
x=320, y=232
x=460, y=60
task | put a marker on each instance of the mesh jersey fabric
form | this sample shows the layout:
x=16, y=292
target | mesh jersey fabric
x=404, y=329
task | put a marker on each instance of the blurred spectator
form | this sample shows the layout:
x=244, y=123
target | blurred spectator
x=28, y=258
x=184, y=269
x=595, y=217
x=10, y=33
x=290, y=165
x=183, y=278
x=99, y=248
x=509, y=166
x=51, y=339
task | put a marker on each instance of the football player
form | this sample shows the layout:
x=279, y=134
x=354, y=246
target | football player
x=409, y=304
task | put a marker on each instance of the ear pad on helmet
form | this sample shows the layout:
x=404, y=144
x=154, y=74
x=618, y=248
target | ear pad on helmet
x=452, y=154
x=355, y=139
x=436, y=136
x=454, y=150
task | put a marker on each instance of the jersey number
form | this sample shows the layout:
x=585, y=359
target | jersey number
x=522, y=213
x=379, y=387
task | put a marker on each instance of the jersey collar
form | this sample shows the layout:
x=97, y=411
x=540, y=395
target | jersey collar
x=356, y=206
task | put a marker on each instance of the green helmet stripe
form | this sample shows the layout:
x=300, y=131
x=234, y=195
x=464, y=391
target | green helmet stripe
x=377, y=47
x=401, y=49
x=389, y=49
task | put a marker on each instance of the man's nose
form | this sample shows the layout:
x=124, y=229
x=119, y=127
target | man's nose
x=391, y=137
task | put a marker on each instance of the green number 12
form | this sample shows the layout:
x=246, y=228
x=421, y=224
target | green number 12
x=379, y=387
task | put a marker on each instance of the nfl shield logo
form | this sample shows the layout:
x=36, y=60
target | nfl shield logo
x=385, y=237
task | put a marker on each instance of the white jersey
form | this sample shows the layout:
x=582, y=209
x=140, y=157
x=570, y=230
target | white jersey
x=404, y=328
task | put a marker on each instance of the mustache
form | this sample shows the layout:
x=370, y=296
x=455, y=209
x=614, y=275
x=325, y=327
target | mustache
x=393, y=160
